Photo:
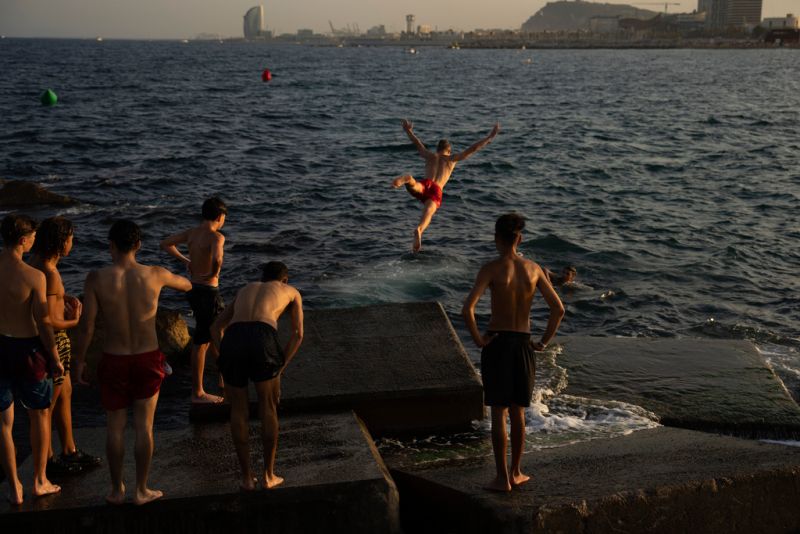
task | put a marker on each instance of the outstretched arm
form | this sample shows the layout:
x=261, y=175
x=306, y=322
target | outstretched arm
x=170, y=246
x=409, y=129
x=479, y=145
x=41, y=315
x=556, y=310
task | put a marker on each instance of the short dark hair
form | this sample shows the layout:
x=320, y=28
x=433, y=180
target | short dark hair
x=443, y=144
x=125, y=235
x=274, y=270
x=51, y=237
x=15, y=227
x=508, y=227
x=213, y=208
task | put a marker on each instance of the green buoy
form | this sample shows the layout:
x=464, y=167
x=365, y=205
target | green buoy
x=49, y=98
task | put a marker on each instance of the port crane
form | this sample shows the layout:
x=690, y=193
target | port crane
x=665, y=4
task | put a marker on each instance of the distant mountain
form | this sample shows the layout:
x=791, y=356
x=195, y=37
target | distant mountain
x=564, y=15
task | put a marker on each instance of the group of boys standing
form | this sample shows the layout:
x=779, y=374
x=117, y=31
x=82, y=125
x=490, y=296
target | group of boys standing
x=35, y=353
x=36, y=357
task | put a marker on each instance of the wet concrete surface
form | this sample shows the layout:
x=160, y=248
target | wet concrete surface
x=334, y=481
x=660, y=480
x=711, y=385
x=401, y=367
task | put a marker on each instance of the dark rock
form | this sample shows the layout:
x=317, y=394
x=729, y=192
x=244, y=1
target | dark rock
x=401, y=367
x=702, y=384
x=18, y=193
x=663, y=480
x=334, y=482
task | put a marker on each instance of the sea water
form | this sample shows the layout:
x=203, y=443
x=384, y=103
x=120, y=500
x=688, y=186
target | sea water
x=669, y=178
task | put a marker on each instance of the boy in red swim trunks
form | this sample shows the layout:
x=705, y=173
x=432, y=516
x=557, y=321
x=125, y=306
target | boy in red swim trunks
x=439, y=166
x=131, y=368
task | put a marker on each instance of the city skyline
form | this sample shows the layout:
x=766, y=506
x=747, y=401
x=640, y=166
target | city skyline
x=153, y=19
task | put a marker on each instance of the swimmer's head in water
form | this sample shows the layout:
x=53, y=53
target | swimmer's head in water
x=15, y=227
x=274, y=270
x=508, y=229
x=125, y=235
x=214, y=208
x=53, y=238
x=568, y=274
x=444, y=147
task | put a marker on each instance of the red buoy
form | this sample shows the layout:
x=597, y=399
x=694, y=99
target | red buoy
x=266, y=75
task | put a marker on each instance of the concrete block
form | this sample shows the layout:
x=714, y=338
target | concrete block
x=401, y=367
x=335, y=482
x=663, y=480
x=712, y=385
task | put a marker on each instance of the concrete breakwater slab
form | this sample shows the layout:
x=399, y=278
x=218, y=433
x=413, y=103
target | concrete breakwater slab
x=714, y=385
x=401, y=367
x=660, y=480
x=334, y=482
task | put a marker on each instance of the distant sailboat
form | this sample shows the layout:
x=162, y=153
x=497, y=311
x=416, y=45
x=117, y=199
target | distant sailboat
x=99, y=39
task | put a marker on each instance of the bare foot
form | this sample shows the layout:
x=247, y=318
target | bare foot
x=498, y=484
x=117, y=495
x=40, y=489
x=518, y=479
x=15, y=496
x=146, y=496
x=400, y=181
x=417, y=241
x=249, y=484
x=206, y=398
x=271, y=482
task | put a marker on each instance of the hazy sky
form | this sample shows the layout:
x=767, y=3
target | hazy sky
x=187, y=18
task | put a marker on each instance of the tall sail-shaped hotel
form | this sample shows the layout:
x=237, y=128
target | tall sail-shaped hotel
x=254, y=23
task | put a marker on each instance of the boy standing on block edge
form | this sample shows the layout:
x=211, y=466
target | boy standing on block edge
x=508, y=366
x=205, y=244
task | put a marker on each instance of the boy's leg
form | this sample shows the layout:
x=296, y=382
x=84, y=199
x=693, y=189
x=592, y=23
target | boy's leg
x=143, y=412
x=268, y=398
x=54, y=412
x=499, y=447
x=198, y=368
x=240, y=432
x=115, y=452
x=8, y=456
x=424, y=221
x=517, y=416
x=412, y=186
x=40, y=446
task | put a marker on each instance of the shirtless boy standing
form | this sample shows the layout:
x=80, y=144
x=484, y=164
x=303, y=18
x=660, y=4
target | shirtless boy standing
x=53, y=242
x=250, y=350
x=27, y=355
x=130, y=370
x=439, y=166
x=205, y=244
x=508, y=367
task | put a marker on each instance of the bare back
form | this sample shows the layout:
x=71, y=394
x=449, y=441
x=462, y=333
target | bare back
x=263, y=301
x=203, y=244
x=127, y=299
x=513, y=284
x=19, y=295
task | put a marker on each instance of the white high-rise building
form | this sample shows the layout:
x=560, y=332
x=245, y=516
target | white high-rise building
x=254, y=23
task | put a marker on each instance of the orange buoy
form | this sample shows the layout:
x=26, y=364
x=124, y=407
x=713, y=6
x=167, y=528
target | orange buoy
x=266, y=75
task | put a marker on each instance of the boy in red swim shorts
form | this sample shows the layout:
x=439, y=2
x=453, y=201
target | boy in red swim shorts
x=439, y=166
x=132, y=367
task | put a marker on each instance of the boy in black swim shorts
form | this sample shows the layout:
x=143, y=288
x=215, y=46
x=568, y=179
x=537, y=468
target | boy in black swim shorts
x=205, y=244
x=250, y=351
x=507, y=359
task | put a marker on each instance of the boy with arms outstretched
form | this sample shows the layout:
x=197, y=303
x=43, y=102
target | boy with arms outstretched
x=439, y=166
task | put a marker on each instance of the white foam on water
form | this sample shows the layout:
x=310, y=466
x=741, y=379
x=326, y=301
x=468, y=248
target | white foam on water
x=781, y=358
x=556, y=419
